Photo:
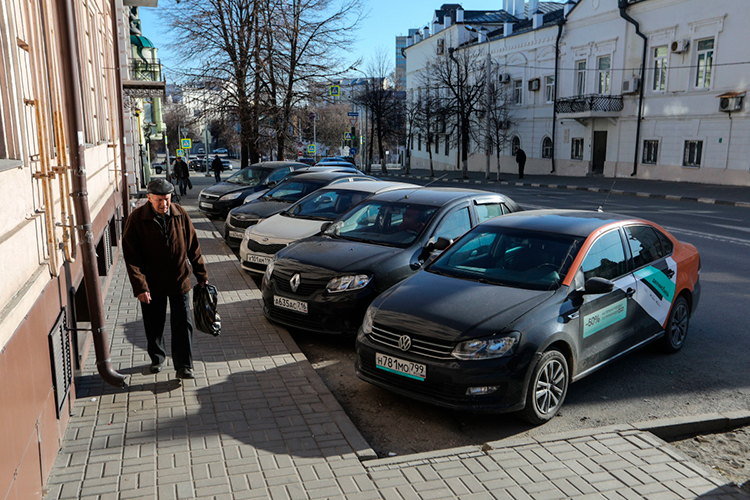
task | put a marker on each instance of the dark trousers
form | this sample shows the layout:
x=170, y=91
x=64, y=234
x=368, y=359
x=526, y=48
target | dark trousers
x=181, y=319
x=217, y=175
x=521, y=166
x=183, y=182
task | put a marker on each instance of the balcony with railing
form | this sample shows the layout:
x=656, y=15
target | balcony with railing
x=590, y=106
x=145, y=71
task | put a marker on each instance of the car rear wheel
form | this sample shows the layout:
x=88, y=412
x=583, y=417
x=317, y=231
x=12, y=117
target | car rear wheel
x=547, y=388
x=677, y=326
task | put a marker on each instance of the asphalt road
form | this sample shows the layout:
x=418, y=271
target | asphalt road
x=710, y=374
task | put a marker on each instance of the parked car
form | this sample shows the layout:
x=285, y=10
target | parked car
x=278, y=198
x=225, y=163
x=338, y=163
x=325, y=283
x=198, y=165
x=523, y=305
x=303, y=219
x=306, y=160
x=220, y=151
x=159, y=167
x=219, y=199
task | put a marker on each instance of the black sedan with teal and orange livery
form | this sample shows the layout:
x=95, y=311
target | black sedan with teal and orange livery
x=524, y=304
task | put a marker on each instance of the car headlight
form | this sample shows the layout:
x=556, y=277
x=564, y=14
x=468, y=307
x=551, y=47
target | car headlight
x=369, y=318
x=269, y=271
x=231, y=196
x=486, y=349
x=348, y=283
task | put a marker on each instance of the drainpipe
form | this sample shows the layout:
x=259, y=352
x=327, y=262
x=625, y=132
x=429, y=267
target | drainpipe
x=120, y=118
x=560, y=25
x=69, y=50
x=623, y=6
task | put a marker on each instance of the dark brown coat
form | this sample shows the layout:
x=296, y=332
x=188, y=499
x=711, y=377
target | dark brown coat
x=157, y=264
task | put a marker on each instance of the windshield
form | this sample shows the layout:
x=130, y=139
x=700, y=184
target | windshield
x=326, y=204
x=249, y=176
x=291, y=191
x=511, y=257
x=396, y=224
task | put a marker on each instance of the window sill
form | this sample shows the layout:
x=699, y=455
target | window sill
x=10, y=164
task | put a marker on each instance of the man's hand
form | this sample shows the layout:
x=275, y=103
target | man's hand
x=145, y=297
x=204, y=283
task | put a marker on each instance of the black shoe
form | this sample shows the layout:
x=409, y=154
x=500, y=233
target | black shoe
x=155, y=367
x=185, y=373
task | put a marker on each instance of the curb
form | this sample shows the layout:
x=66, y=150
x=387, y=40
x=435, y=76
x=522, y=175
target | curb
x=638, y=194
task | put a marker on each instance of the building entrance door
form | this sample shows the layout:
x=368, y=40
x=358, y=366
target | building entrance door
x=600, y=152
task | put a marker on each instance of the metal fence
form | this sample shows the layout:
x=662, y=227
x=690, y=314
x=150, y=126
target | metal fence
x=591, y=102
x=149, y=71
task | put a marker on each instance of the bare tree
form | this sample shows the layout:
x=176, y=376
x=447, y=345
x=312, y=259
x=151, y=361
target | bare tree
x=500, y=115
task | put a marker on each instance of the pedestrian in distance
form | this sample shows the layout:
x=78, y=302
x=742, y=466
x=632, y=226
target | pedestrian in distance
x=521, y=160
x=183, y=175
x=161, y=248
x=218, y=167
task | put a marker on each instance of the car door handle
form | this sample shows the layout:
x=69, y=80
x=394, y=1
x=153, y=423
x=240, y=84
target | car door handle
x=630, y=292
x=669, y=273
x=573, y=315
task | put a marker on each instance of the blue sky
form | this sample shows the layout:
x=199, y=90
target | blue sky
x=386, y=20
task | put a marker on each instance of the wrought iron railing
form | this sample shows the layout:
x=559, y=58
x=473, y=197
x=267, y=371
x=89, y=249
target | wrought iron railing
x=591, y=102
x=142, y=70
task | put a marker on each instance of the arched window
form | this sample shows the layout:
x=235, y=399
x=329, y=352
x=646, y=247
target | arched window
x=546, y=147
x=515, y=143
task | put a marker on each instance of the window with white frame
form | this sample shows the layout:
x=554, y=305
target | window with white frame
x=661, y=55
x=576, y=148
x=704, y=63
x=515, y=144
x=546, y=147
x=692, y=155
x=650, y=151
x=549, y=88
x=580, y=77
x=604, y=64
x=518, y=92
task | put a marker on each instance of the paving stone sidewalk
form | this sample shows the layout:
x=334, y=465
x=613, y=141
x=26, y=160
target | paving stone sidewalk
x=258, y=422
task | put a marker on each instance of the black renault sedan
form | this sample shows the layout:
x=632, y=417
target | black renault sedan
x=524, y=304
x=217, y=200
x=325, y=283
x=280, y=197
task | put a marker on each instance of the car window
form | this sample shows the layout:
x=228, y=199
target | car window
x=384, y=223
x=645, y=245
x=454, y=224
x=250, y=176
x=605, y=258
x=486, y=211
x=291, y=191
x=326, y=204
x=278, y=174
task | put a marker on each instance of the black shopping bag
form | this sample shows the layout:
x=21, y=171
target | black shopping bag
x=205, y=302
x=190, y=184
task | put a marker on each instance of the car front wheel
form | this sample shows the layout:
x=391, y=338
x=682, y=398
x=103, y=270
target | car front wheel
x=547, y=388
x=677, y=326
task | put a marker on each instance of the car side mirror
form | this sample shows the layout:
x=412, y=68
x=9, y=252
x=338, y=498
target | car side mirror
x=597, y=286
x=438, y=245
x=324, y=226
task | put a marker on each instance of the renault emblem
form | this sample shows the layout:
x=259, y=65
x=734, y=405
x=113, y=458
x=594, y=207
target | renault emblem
x=294, y=282
x=404, y=343
x=265, y=239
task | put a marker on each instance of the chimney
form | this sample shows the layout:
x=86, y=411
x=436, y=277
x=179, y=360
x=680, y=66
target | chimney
x=426, y=31
x=459, y=15
x=569, y=5
x=532, y=8
x=482, y=35
x=507, y=29
x=409, y=41
x=538, y=19
x=417, y=37
x=518, y=7
x=446, y=21
x=436, y=27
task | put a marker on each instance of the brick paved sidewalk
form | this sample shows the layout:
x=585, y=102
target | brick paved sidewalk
x=258, y=422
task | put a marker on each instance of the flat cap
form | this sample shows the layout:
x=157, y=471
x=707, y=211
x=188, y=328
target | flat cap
x=160, y=186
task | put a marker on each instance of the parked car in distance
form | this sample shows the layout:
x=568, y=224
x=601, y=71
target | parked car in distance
x=304, y=219
x=217, y=200
x=220, y=151
x=336, y=163
x=377, y=243
x=277, y=199
x=306, y=160
x=524, y=304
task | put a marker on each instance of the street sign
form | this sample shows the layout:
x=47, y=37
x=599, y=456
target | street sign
x=352, y=113
x=352, y=151
x=334, y=90
x=347, y=136
x=186, y=143
x=181, y=152
x=311, y=149
x=353, y=121
x=311, y=116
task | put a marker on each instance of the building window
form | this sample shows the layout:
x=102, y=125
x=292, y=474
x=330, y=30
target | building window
x=661, y=55
x=705, y=63
x=693, y=153
x=604, y=63
x=580, y=77
x=549, y=88
x=518, y=92
x=515, y=144
x=447, y=145
x=547, y=148
x=576, y=148
x=650, y=151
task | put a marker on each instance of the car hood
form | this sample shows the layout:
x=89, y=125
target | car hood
x=286, y=228
x=261, y=209
x=223, y=188
x=450, y=309
x=339, y=255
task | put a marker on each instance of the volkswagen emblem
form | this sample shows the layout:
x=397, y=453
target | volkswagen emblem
x=404, y=343
x=294, y=283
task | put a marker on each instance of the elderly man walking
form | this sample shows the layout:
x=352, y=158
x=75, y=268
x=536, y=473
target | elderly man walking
x=161, y=248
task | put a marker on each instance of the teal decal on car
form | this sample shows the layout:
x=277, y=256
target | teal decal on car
x=604, y=317
x=657, y=281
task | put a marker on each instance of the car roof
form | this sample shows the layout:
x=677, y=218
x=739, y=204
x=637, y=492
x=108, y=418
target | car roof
x=372, y=186
x=321, y=176
x=571, y=222
x=277, y=164
x=340, y=163
x=326, y=168
x=433, y=195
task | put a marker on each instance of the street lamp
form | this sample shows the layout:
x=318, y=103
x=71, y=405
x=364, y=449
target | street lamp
x=364, y=145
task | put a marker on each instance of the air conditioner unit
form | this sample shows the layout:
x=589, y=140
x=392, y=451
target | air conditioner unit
x=728, y=104
x=679, y=46
x=534, y=84
x=504, y=78
x=631, y=86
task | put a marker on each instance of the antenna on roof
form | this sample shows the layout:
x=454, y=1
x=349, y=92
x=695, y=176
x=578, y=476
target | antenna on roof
x=601, y=207
x=406, y=196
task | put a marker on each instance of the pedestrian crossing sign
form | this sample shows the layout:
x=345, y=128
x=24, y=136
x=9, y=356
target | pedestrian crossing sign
x=180, y=152
x=347, y=136
x=186, y=143
x=311, y=149
x=334, y=90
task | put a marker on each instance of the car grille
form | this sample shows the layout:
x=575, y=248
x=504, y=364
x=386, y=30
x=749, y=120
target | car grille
x=307, y=286
x=242, y=223
x=423, y=347
x=209, y=197
x=254, y=246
